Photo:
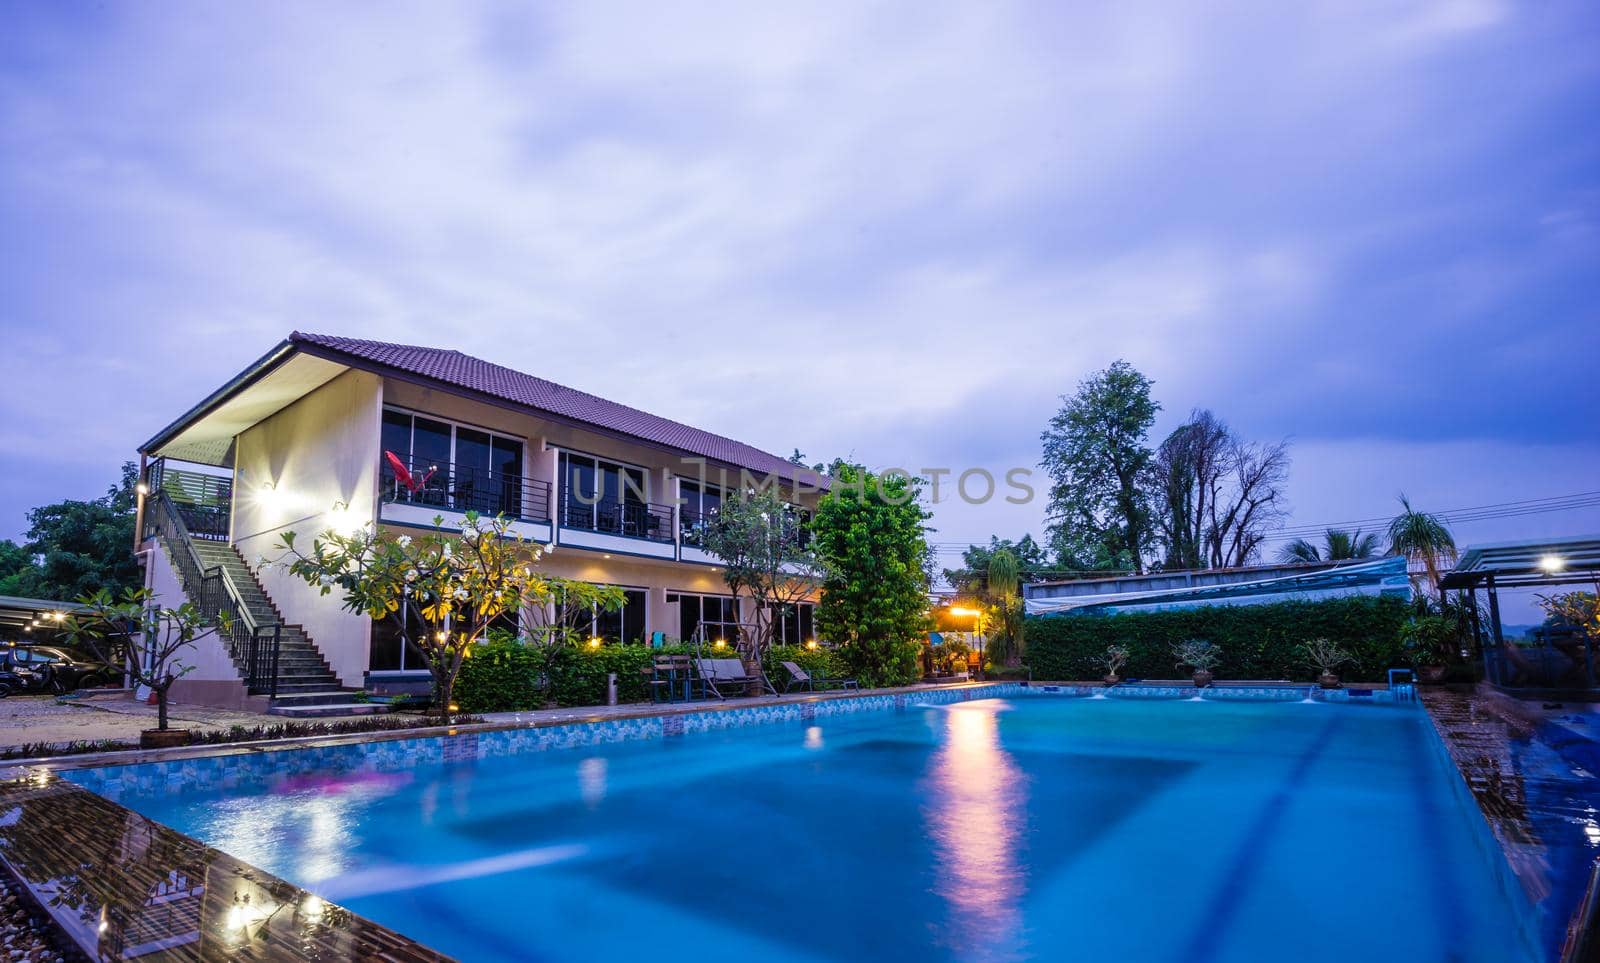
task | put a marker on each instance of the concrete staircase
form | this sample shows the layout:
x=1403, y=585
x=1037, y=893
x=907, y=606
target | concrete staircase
x=307, y=686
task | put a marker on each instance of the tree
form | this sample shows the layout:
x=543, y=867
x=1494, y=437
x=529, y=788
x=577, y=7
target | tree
x=869, y=535
x=155, y=637
x=1033, y=564
x=1214, y=495
x=1185, y=476
x=1095, y=453
x=1248, y=503
x=1005, y=600
x=76, y=548
x=1422, y=539
x=1338, y=545
x=766, y=555
x=442, y=590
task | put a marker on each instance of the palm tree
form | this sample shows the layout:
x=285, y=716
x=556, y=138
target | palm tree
x=1423, y=538
x=1004, y=578
x=1338, y=545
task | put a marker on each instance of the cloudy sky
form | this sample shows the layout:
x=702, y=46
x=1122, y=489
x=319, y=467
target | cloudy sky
x=892, y=231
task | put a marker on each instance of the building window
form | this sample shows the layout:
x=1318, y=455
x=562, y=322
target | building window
x=793, y=623
x=390, y=652
x=701, y=502
x=626, y=625
x=717, y=615
x=451, y=466
x=604, y=496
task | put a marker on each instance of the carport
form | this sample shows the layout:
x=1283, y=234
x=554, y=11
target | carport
x=1560, y=658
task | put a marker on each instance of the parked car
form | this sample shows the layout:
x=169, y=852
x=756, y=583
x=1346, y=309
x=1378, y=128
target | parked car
x=41, y=668
x=12, y=682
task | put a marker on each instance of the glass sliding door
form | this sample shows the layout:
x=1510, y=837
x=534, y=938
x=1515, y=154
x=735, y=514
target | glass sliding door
x=625, y=625
x=451, y=466
x=605, y=496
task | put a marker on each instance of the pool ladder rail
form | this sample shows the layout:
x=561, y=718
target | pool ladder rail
x=1403, y=685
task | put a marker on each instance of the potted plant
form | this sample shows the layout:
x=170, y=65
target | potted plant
x=1199, y=655
x=1326, y=656
x=1429, y=639
x=1115, y=658
x=155, y=639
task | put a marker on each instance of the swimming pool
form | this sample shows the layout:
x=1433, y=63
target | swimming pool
x=996, y=829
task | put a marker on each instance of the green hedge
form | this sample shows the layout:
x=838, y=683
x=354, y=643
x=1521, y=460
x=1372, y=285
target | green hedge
x=1257, y=641
x=505, y=676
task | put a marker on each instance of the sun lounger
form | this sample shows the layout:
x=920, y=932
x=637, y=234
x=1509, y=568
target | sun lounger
x=799, y=677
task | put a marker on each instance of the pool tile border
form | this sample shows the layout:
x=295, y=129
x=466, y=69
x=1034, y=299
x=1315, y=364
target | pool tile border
x=229, y=769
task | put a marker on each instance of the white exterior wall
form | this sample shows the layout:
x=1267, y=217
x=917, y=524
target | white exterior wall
x=214, y=680
x=291, y=471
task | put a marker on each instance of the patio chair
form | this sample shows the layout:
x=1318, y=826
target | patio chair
x=719, y=674
x=800, y=677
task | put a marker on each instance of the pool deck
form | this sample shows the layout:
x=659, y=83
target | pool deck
x=1525, y=764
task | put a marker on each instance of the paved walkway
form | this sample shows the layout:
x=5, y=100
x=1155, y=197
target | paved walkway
x=26, y=719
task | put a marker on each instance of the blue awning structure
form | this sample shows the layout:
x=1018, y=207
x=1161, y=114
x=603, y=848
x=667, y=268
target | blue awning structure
x=1383, y=576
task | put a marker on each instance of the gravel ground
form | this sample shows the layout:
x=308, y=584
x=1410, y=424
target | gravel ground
x=25, y=933
x=40, y=718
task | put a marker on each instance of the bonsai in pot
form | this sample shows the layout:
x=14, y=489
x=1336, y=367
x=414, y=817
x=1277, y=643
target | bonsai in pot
x=1115, y=658
x=156, y=638
x=1199, y=655
x=1326, y=656
x=1430, y=640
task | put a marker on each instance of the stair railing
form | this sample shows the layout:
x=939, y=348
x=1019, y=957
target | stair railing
x=251, y=646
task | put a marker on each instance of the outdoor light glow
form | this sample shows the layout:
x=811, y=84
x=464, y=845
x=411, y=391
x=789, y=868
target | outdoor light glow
x=58, y=616
x=441, y=637
x=311, y=909
x=719, y=643
x=142, y=488
x=1552, y=564
x=811, y=644
x=958, y=610
x=594, y=643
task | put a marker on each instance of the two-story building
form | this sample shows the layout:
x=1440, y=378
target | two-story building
x=328, y=432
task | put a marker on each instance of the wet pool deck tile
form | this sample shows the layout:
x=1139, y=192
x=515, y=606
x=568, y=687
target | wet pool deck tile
x=1540, y=805
x=123, y=887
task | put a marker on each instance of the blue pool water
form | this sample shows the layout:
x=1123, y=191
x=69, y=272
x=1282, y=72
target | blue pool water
x=996, y=829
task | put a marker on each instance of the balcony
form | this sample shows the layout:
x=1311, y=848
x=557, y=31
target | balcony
x=630, y=527
x=416, y=493
x=692, y=533
x=204, y=502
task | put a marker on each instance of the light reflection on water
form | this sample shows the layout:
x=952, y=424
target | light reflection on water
x=975, y=812
x=312, y=821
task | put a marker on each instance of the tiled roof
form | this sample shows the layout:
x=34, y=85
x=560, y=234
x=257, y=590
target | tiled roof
x=475, y=374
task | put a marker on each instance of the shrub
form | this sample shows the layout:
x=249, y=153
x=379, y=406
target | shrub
x=500, y=676
x=818, y=662
x=1257, y=641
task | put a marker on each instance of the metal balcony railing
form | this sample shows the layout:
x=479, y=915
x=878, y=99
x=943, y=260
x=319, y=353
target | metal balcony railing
x=611, y=517
x=202, y=501
x=456, y=488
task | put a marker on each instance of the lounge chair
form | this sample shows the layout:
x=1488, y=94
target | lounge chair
x=800, y=677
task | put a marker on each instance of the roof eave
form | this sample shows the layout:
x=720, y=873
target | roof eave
x=244, y=379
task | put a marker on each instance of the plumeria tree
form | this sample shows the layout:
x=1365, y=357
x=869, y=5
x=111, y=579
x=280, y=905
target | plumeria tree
x=443, y=589
x=766, y=556
x=156, y=637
